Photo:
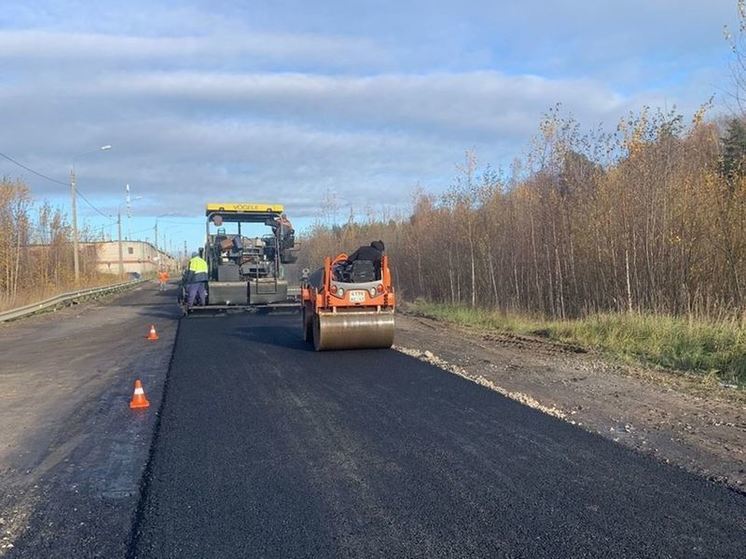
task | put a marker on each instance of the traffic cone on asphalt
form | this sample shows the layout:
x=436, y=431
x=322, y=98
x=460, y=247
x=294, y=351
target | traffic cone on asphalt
x=153, y=335
x=138, y=398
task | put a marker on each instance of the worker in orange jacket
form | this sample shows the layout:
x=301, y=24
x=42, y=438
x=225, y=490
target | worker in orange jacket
x=162, y=279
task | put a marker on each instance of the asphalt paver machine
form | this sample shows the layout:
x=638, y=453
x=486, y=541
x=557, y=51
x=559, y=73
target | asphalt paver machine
x=244, y=270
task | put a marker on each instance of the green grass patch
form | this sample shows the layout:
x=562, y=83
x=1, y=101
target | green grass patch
x=707, y=348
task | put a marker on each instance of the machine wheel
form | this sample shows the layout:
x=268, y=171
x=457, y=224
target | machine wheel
x=181, y=300
x=353, y=330
x=307, y=325
x=316, y=333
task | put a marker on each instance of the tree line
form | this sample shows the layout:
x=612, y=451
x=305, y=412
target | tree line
x=36, y=255
x=648, y=218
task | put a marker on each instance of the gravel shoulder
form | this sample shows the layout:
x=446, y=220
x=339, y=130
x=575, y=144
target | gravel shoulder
x=71, y=451
x=677, y=419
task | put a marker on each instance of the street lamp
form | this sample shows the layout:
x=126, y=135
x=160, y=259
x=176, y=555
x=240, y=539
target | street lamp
x=74, y=197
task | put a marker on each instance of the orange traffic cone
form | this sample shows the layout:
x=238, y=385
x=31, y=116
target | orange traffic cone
x=138, y=398
x=153, y=335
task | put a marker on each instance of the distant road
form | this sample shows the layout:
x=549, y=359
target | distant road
x=267, y=449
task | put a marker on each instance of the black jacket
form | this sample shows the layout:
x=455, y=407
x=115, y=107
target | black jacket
x=366, y=253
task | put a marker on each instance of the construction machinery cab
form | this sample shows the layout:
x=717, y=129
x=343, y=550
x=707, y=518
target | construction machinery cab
x=247, y=270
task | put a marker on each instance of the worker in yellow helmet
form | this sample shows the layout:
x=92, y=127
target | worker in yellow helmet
x=195, y=279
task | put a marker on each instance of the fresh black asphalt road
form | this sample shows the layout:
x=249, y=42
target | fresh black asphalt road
x=267, y=449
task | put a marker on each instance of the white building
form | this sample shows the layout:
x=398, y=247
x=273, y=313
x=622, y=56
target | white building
x=137, y=256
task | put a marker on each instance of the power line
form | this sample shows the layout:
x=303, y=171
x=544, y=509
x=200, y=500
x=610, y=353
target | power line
x=141, y=230
x=29, y=169
x=87, y=201
x=50, y=179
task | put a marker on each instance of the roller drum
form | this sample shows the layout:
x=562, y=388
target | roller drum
x=353, y=330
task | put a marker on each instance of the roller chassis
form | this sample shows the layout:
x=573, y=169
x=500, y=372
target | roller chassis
x=333, y=319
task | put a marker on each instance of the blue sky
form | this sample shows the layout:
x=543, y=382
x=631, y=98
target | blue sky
x=286, y=100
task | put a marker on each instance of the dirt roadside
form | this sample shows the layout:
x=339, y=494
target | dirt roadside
x=675, y=418
x=71, y=451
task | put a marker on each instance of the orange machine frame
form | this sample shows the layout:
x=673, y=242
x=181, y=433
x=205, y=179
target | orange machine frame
x=324, y=299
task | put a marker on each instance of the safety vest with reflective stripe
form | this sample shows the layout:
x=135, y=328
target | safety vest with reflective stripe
x=197, y=270
x=197, y=264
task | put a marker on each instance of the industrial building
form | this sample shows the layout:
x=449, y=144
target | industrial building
x=137, y=256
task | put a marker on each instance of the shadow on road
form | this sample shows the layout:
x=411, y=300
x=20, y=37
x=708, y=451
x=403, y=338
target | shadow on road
x=149, y=305
x=168, y=310
x=159, y=305
x=171, y=312
x=279, y=336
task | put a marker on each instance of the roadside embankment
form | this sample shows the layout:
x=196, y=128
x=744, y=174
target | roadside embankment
x=713, y=350
x=39, y=293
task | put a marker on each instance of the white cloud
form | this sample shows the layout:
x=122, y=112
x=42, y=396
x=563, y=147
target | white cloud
x=177, y=132
x=470, y=106
x=251, y=48
x=284, y=100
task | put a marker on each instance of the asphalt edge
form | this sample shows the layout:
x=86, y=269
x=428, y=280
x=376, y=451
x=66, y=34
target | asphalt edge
x=144, y=491
x=427, y=356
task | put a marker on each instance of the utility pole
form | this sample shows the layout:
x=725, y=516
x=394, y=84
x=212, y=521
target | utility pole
x=119, y=234
x=74, y=197
x=129, y=211
x=73, y=194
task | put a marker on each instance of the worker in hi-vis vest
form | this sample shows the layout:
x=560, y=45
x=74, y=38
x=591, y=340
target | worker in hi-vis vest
x=162, y=280
x=195, y=280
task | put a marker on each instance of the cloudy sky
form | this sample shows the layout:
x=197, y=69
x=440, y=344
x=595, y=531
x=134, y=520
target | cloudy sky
x=285, y=100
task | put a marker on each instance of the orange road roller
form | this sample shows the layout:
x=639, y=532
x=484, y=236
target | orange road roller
x=349, y=305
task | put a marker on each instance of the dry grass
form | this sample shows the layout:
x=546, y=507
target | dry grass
x=27, y=297
x=715, y=350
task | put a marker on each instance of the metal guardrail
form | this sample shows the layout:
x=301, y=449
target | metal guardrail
x=64, y=299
